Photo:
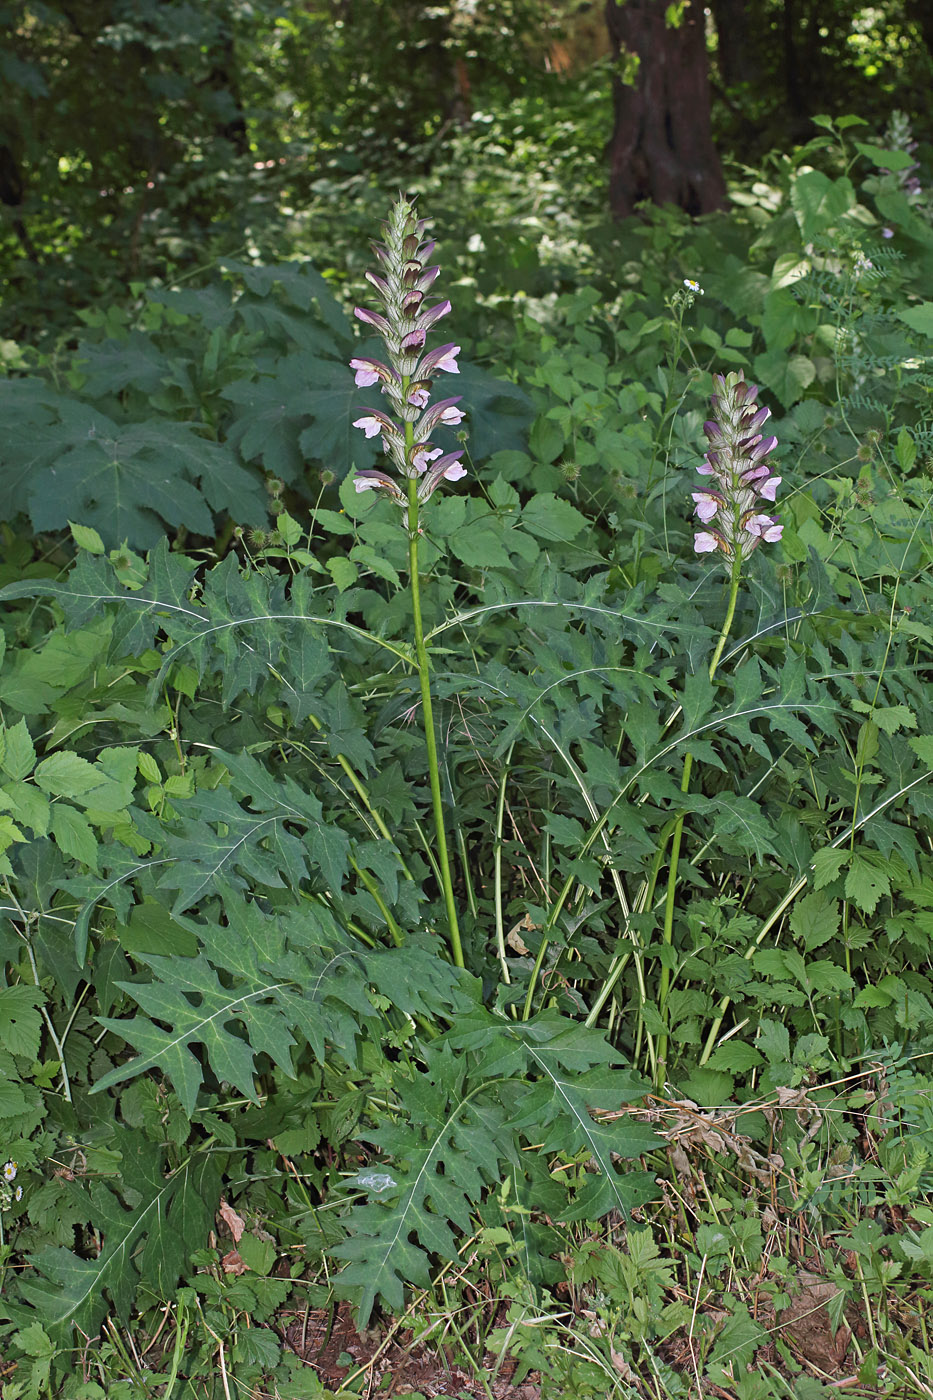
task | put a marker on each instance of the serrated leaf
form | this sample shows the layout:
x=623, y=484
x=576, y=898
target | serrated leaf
x=736, y=1057
x=127, y=481
x=17, y=752
x=815, y=919
x=827, y=864
x=479, y=545
x=86, y=538
x=342, y=571
x=66, y=774
x=551, y=518
x=919, y=318
x=922, y=745
x=819, y=202
x=172, y=1213
x=867, y=880
x=73, y=835
x=20, y=1020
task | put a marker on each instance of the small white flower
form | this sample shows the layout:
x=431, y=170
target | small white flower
x=693, y=286
x=9, y=1171
x=18, y=1194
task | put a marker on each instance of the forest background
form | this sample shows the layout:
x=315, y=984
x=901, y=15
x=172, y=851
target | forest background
x=482, y=949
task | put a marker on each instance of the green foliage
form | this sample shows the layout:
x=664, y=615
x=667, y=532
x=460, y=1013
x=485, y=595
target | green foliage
x=225, y=981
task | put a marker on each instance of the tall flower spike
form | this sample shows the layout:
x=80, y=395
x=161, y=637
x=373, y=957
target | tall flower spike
x=739, y=473
x=407, y=377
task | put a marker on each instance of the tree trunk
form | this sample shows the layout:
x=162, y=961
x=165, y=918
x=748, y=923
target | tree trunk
x=662, y=147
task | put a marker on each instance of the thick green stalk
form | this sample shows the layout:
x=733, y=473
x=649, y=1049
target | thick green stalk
x=424, y=677
x=667, y=936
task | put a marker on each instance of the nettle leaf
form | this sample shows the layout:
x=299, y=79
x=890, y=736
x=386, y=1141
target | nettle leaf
x=17, y=751
x=868, y=880
x=815, y=919
x=827, y=865
x=20, y=1020
x=74, y=835
x=922, y=746
x=551, y=518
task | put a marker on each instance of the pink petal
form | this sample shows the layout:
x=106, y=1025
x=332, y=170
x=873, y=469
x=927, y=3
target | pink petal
x=444, y=357
x=423, y=456
x=770, y=488
x=372, y=318
x=704, y=542
x=706, y=505
x=426, y=321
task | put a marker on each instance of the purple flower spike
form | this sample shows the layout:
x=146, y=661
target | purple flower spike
x=406, y=378
x=737, y=462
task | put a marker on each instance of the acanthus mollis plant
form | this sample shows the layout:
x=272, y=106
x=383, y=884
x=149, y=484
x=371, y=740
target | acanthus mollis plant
x=406, y=379
x=737, y=463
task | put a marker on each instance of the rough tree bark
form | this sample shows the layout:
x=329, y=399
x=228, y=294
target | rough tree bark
x=662, y=147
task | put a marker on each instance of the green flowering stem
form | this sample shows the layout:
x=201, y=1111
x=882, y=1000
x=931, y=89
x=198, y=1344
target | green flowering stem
x=424, y=677
x=667, y=937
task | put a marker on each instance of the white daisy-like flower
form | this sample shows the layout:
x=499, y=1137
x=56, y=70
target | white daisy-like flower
x=693, y=286
x=9, y=1171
